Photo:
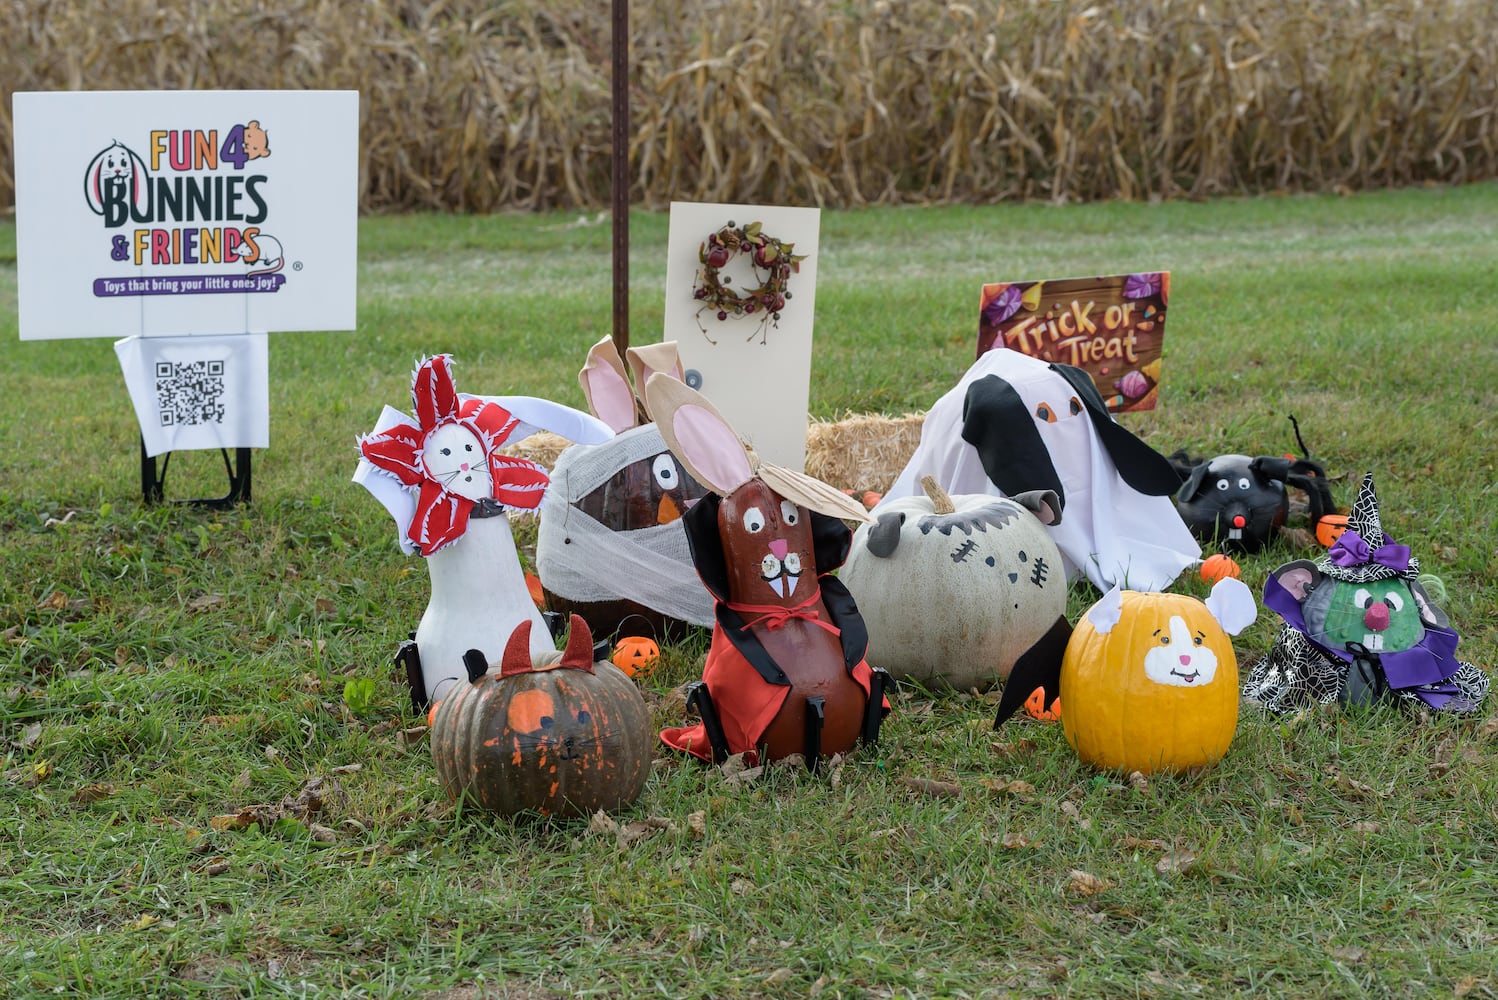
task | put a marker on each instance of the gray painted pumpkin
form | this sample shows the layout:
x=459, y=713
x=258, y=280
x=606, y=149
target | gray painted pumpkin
x=954, y=589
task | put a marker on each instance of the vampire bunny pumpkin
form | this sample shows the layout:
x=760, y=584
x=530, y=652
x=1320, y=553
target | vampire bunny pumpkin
x=1146, y=681
x=611, y=546
x=444, y=479
x=1359, y=628
x=786, y=671
x=954, y=589
x=556, y=734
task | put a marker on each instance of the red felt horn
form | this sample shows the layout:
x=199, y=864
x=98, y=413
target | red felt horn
x=517, y=657
x=579, y=652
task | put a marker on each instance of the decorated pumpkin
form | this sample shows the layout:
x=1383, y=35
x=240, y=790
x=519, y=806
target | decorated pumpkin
x=556, y=734
x=611, y=545
x=954, y=589
x=1150, y=680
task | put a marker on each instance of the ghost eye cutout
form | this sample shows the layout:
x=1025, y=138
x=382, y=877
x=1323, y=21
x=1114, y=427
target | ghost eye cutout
x=1076, y=406
x=664, y=471
x=788, y=512
x=754, y=520
x=1044, y=412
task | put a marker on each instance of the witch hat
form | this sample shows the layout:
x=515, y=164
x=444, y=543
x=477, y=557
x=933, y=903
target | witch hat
x=1364, y=553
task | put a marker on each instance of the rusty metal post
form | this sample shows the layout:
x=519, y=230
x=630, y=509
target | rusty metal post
x=620, y=86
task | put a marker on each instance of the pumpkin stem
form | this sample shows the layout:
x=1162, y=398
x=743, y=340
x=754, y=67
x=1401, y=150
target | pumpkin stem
x=941, y=503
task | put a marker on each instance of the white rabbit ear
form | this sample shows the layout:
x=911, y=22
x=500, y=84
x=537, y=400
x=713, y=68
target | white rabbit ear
x=1232, y=604
x=1107, y=611
x=646, y=361
x=606, y=385
x=698, y=435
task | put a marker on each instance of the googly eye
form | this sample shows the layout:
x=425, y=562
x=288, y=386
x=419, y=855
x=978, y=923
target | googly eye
x=793, y=562
x=754, y=520
x=788, y=512
x=1244, y=484
x=664, y=470
x=1224, y=485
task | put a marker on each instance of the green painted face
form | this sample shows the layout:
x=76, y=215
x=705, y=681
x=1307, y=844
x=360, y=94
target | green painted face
x=1382, y=616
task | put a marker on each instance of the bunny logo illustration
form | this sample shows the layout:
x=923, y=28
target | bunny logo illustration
x=256, y=142
x=786, y=671
x=116, y=183
x=611, y=545
x=449, y=488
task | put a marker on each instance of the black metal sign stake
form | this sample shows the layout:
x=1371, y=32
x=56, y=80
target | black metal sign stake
x=153, y=486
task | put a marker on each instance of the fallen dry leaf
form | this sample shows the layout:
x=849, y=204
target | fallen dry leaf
x=325, y=606
x=697, y=823
x=1350, y=953
x=1153, y=844
x=205, y=601
x=55, y=601
x=1366, y=826
x=93, y=793
x=1016, y=841
x=1023, y=745
x=1085, y=883
x=413, y=735
x=778, y=976
x=633, y=833
x=741, y=887
x=1176, y=862
x=1074, y=813
x=931, y=787
x=1138, y=781
x=602, y=822
x=1002, y=787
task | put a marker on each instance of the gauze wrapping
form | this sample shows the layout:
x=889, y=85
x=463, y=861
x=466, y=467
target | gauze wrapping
x=581, y=560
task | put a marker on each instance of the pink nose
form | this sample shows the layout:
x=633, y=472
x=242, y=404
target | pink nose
x=1377, y=616
x=464, y=466
x=779, y=547
x=1185, y=660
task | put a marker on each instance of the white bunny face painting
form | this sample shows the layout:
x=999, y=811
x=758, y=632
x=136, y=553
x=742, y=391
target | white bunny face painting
x=1182, y=659
x=455, y=457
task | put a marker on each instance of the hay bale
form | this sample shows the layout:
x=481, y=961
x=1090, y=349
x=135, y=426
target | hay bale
x=862, y=451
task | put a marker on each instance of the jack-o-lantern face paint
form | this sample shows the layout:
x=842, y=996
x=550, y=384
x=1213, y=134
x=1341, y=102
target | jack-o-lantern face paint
x=767, y=543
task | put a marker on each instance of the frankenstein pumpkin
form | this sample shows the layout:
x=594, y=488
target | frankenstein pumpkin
x=556, y=734
x=954, y=589
x=1150, y=680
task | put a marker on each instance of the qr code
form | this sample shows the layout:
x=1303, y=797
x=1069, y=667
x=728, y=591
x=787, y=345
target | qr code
x=189, y=393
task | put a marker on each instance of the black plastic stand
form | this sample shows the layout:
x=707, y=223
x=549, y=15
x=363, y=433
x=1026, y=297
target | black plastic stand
x=153, y=486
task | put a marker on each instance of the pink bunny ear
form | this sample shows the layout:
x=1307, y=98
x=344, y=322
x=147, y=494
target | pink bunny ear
x=698, y=435
x=606, y=385
x=646, y=361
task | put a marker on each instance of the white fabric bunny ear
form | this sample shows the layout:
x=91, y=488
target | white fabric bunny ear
x=702, y=439
x=646, y=361
x=606, y=385
x=1107, y=611
x=1232, y=604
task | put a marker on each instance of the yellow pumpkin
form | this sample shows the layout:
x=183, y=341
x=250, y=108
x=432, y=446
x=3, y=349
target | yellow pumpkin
x=1156, y=691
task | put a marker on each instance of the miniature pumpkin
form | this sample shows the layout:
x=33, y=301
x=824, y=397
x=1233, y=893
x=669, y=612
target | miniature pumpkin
x=558, y=734
x=1219, y=566
x=1156, y=691
x=954, y=589
x=636, y=655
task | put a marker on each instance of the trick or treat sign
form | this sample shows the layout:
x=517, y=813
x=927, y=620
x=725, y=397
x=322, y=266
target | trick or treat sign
x=741, y=284
x=1112, y=327
x=185, y=212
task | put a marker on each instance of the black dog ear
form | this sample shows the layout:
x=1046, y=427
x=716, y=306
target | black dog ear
x=1268, y=467
x=1142, y=467
x=996, y=422
x=1193, y=484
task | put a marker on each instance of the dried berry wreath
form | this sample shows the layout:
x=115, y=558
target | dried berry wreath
x=773, y=265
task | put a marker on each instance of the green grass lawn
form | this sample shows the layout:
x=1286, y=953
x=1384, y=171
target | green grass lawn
x=163, y=666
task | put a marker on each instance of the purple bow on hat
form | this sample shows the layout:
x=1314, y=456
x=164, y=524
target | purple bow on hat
x=1352, y=550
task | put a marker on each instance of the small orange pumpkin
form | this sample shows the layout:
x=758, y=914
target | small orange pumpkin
x=636, y=655
x=1329, y=528
x=1220, y=566
x=1158, y=690
x=1035, y=707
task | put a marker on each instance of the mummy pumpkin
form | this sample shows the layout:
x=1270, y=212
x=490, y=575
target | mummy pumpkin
x=954, y=589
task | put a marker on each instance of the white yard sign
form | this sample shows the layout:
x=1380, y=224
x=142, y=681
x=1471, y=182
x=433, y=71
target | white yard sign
x=167, y=213
x=753, y=364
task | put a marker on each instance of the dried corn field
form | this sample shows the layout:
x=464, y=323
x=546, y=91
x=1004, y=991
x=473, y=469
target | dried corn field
x=474, y=106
